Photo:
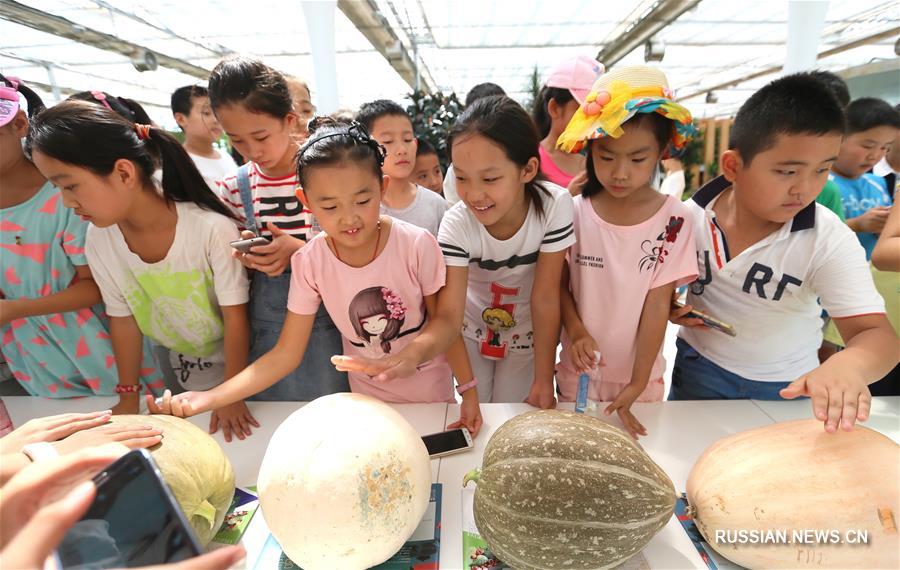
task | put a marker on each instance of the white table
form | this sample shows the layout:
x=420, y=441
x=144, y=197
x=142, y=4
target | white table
x=678, y=433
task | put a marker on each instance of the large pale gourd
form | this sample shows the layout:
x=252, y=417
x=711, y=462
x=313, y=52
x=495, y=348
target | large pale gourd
x=194, y=467
x=564, y=490
x=344, y=483
x=792, y=476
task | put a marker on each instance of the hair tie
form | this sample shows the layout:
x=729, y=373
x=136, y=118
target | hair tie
x=101, y=97
x=143, y=131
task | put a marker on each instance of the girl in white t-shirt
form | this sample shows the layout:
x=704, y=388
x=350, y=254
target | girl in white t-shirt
x=377, y=277
x=161, y=259
x=634, y=245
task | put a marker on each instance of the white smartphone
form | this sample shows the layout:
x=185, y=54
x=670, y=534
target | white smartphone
x=244, y=245
x=448, y=442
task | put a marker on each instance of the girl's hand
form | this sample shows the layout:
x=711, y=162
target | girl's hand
x=130, y=437
x=402, y=365
x=234, y=418
x=183, y=405
x=622, y=405
x=582, y=353
x=469, y=413
x=838, y=401
x=128, y=404
x=50, y=429
x=272, y=259
x=577, y=183
x=541, y=395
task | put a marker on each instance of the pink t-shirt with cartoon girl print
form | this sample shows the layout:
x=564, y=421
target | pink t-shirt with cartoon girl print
x=378, y=308
x=612, y=268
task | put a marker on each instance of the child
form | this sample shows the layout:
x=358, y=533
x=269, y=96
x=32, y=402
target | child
x=633, y=246
x=128, y=108
x=403, y=199
x=505, y=247
x=378, y=278
x=565, y=90
x=872, y=126
x=427, y=172
x=54, y=335
x=190, y=107
x=253, y=103
x=303, y=107
x=161, y=259
x=768, y=254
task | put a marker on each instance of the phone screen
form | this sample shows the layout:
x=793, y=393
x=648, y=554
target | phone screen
x=445, y=441
x=133, y=521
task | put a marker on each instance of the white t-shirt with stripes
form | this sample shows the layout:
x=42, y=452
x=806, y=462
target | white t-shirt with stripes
x=501, y=272
x=274, y=200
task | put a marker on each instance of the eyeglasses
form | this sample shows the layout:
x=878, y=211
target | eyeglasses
x=356, y=132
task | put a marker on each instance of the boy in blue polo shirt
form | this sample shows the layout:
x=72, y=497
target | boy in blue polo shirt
x=767, y=254
x=872, y=126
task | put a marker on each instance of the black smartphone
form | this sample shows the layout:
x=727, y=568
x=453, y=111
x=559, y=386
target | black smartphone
x=711, y=322
x=448, y=442
x=133, y=521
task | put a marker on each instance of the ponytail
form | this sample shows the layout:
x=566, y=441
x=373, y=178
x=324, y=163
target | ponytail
x=540, y=113
x=60, y=132
x=35, y=103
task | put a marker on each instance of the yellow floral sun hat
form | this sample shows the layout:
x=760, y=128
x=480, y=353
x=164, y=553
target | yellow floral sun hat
x=616, y=97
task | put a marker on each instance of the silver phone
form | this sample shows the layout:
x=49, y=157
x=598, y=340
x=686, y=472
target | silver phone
x=244, y=245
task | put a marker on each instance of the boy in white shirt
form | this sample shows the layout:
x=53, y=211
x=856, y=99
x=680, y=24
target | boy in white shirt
x=768, y=255
x=190, y=106
x=404, y=199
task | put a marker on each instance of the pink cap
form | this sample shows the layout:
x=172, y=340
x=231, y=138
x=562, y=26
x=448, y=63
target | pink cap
x=577, y=74
x=9, y=101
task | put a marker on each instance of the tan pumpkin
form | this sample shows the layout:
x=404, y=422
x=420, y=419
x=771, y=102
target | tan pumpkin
x=777, y=483
x=195, y=468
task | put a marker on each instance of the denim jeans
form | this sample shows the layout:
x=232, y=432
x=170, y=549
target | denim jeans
x=315, y=376
x=697, y=378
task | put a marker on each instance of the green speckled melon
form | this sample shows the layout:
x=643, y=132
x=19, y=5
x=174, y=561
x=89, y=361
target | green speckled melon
x=564, y=490
x=194, y=467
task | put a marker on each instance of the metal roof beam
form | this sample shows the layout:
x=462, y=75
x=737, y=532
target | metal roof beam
x=58, y=26
x=661, y=14
x=372, y=24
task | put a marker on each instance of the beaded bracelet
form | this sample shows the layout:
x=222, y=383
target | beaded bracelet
x=128, y=388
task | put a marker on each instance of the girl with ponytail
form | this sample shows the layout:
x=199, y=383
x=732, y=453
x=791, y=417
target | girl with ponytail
x=54, y=335
x=161, y=258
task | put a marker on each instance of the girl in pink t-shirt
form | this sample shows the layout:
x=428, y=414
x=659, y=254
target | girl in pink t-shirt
x=378, y=278
x=633, y=244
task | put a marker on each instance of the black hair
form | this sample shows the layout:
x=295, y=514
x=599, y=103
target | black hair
x=251, y=83
x=834, y=83
x=35, y=103
x=374, y=110
x=486, y=89
x=662, y=132
x=424, y=147
x=60, y=132
x=128, y=108
x=504, y=122
x=333, y=141
x=540, y=112
x=791, y=105
x=183, y=98
x=868, y=112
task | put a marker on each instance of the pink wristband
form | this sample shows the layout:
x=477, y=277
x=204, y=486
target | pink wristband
x=467, y=386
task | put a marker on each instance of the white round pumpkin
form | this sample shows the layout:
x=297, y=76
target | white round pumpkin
x=793, y=477
x=195, y=468
x=344, y=483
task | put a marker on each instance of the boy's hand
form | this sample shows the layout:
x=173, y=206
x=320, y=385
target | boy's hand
x=622, y=405
x=582, y=353
x=271, y=259
x=677, y=315
x=835, y=400
x=233, y=418
x=183, y=405
x=541, y=395
x=469, y=413
x=872, y=222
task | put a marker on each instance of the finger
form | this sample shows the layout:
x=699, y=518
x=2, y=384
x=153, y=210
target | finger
x=63, y=420
x=121, y=433
x=276, y=267
x=795, y=389
x=176, y=406
x=235, y=426
x=479, y=421
x=245, y=424
x=65, y=431
x=247, y=234
x=849, y=409
x=457, y=424
x=152, y=406
x=251, y=419
x=213, y=422
x=865, y=405
x=226, y=431
x=30, y=547
x=834, y=406
x=142, y=442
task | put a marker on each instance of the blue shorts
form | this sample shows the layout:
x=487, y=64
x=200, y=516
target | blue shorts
x=697, y=378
